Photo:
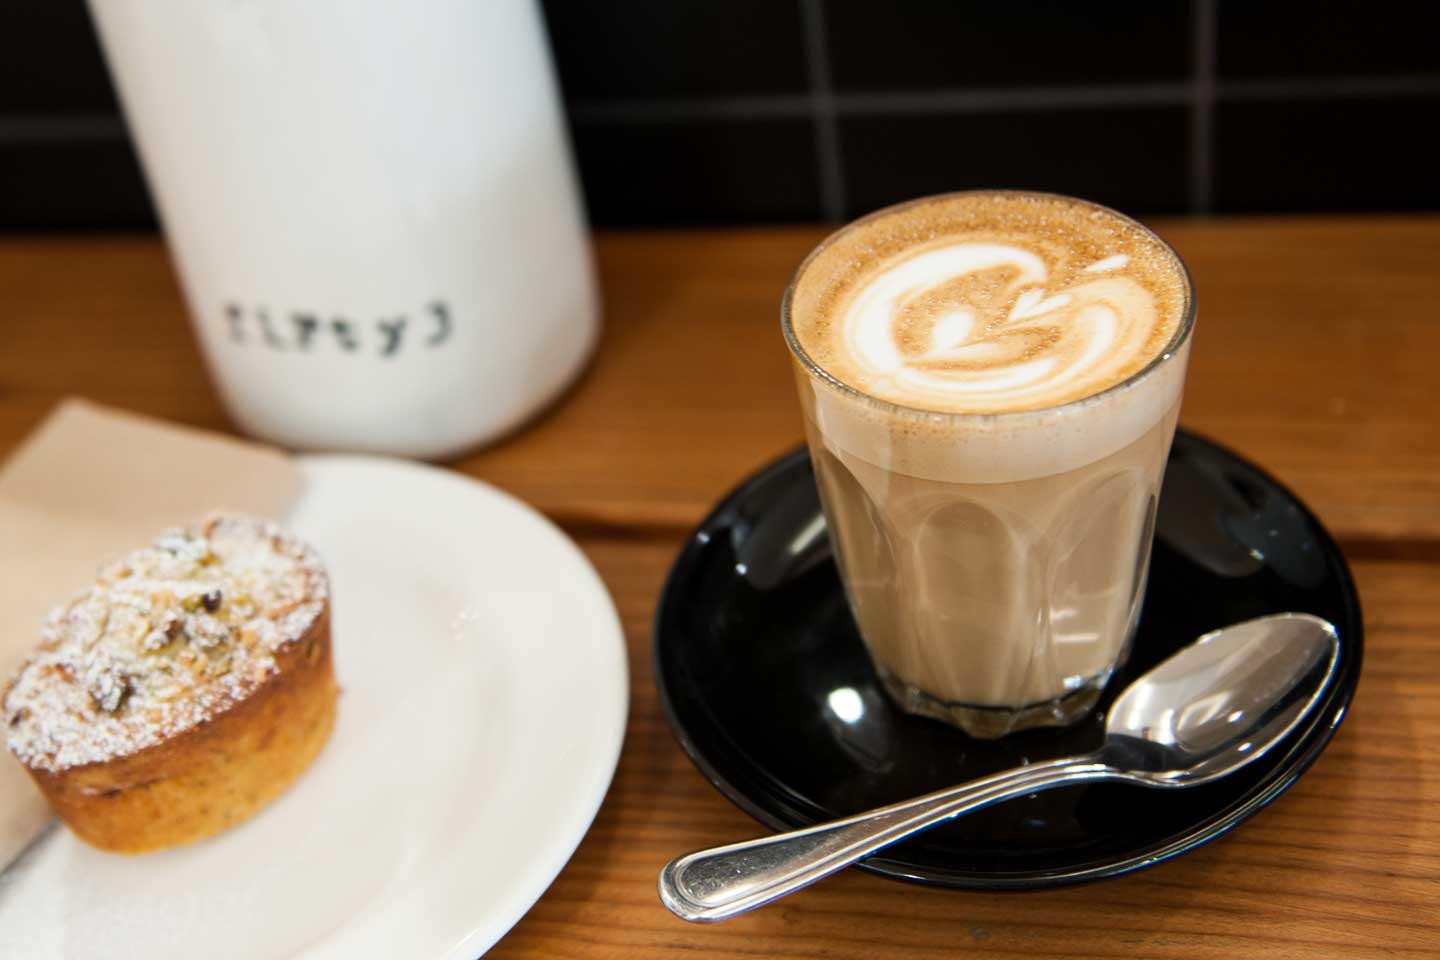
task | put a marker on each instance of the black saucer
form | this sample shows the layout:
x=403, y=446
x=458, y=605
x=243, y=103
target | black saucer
x=753, y=638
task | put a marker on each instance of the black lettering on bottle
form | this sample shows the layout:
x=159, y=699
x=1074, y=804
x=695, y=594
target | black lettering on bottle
x=391, y=331
x=345, y=334
x=442, y=323
x=236, y=318
x=305, y=326
x=272, y=338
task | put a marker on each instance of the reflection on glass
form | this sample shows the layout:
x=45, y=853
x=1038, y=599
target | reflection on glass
x=807, y=536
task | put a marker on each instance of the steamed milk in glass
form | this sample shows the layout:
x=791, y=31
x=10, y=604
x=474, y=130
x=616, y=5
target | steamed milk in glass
x=990, y=383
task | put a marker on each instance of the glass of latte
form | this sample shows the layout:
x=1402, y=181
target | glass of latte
x=990, y=382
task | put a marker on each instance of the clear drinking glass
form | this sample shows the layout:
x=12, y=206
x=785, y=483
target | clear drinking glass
x=995, y=563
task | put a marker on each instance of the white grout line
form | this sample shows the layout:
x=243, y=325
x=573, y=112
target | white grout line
x=782, y=106
x=1019, y=99
x=1202, y=109
x=49, y=129
x=24, y=128
x=1331, y=88
x=991, y=100
x=830, y=165
x=786, y=106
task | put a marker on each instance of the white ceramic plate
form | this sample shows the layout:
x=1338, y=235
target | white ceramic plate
x=483, y=705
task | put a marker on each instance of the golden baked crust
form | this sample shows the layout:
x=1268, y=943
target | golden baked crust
x=183, y=691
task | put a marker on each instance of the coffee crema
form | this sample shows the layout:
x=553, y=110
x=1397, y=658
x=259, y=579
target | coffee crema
x=993, y=303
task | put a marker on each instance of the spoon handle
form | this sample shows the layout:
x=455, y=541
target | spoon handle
x=718, y=883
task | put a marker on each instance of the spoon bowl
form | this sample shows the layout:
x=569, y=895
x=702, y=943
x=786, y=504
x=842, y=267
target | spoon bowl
x=1213, y=707
x=1221, y=702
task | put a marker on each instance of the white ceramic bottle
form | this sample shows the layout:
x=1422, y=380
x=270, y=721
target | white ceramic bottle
x=372, y=208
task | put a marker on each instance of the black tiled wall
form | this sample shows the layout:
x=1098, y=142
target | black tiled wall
x=795, y=110
x=934, y=45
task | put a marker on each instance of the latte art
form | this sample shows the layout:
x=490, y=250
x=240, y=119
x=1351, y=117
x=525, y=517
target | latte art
x=978, y=325
x=992, y=303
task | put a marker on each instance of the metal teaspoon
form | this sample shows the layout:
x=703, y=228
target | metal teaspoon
x=1205, y=712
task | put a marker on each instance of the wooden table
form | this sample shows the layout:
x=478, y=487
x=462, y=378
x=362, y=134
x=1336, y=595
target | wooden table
x=1317, y=355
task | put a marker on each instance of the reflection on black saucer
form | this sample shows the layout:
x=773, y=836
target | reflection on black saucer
x=768, y=689
x=1221, y=513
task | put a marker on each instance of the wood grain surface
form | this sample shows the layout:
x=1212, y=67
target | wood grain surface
x=1314, y=356
x=1345, y=864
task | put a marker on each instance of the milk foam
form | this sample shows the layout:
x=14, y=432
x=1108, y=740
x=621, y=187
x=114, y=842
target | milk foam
x=1024, y=346
x=985, y=317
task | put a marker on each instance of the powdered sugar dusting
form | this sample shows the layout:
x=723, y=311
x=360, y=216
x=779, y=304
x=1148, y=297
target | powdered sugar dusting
x=167, y=638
